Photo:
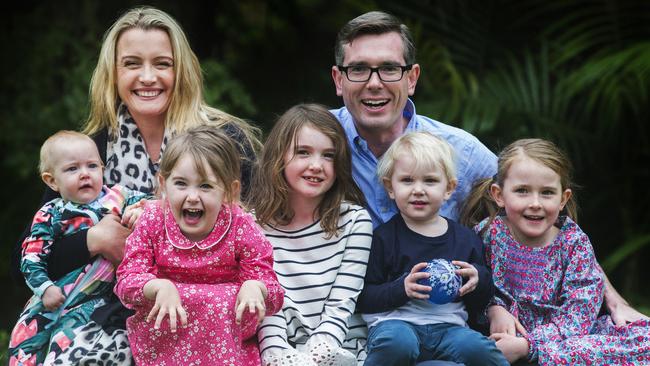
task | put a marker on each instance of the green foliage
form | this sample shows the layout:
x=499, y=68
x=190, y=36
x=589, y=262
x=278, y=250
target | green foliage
x=576, y=72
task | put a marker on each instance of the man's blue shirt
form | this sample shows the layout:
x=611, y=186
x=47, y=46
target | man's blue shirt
x=473, y=161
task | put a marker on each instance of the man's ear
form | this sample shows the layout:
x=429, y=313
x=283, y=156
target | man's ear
x=388, y=186
x=337, y=76
x=412, y=78
x=497, y=196
x=48, y=179
x=451, y=187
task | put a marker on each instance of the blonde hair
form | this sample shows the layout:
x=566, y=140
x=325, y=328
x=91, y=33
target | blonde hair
x=48, y=148
x=187, y=107
x=427, y=150
x=480, y=204
x=206, y=145
x=270, y=198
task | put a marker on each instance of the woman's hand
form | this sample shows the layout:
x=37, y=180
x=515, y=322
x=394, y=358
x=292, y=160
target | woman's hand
x=468, y=272
x=513, y=348
x=411, y=286
x=501, y=321
x=251, y=295
x=107, y=238
x=52, y=298
x=168, y=302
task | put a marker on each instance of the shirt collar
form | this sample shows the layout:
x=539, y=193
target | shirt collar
x=180, y=241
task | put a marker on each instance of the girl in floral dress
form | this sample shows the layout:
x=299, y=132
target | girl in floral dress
x=197, y=270
x=549, y=285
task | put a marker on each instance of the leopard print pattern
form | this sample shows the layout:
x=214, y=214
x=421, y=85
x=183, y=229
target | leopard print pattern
x=93, y=346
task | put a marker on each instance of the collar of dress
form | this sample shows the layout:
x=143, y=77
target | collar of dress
x=180, y=241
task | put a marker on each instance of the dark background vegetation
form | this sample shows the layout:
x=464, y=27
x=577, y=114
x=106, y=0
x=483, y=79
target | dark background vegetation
x=576, y=72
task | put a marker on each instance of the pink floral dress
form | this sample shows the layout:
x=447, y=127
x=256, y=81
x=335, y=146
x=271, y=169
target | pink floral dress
x=208, y=275
x=556, y=293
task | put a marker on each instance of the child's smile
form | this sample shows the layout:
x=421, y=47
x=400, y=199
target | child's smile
x=532, y=197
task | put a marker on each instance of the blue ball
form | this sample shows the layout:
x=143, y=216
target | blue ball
x=444, y=281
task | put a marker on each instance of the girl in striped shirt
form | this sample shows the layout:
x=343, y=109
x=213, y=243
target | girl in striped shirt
x=310, y=210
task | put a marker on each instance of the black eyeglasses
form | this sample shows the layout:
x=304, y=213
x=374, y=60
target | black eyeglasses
x=386, y=73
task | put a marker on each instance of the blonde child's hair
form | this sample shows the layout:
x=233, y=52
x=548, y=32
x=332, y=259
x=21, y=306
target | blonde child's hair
x=207, y=146
x=480, y=204
x=270, y=197
x=49, y=147
x=187, y=108
x=427, y=150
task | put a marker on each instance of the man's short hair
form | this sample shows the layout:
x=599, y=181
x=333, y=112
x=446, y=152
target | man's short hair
x=374, y=22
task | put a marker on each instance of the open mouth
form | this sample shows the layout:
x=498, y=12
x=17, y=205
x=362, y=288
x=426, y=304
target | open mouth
x=86, y=186
x=418, y=203
x=375, y=104
x=192, y=215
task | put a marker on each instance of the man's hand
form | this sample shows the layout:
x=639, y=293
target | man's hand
x=501, y=321
x=107, y=238
x=513, y=348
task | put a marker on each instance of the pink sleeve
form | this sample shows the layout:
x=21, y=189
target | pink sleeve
x=137, y=267
x=255, y=255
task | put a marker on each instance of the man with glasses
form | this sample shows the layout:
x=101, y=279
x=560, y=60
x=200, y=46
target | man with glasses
x=375, y=73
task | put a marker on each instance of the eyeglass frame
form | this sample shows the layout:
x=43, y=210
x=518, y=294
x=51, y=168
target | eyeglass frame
x=404, y=68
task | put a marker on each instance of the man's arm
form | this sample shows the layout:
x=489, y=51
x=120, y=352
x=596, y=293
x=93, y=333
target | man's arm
x=621, y=312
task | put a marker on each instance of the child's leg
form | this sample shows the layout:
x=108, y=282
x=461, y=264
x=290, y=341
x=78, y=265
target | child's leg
x=392, y=342
x=464, y=345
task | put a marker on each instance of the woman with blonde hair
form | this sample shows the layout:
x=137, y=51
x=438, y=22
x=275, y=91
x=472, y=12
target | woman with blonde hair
x=147, y=87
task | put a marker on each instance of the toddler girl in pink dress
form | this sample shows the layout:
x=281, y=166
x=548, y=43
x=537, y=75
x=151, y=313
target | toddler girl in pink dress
x=197, y=270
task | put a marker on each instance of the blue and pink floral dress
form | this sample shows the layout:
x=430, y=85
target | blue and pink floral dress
x=556, y=293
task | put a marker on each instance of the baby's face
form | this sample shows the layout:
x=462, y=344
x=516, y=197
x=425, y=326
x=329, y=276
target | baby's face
x=77, y=172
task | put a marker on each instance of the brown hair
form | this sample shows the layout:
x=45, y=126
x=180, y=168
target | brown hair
x=270, y=196
x=480, y=204
x=207, y=145
x=376, y=23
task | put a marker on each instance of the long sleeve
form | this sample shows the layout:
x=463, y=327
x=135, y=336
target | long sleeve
x=137, y=267
x=579, y=301
x=380, y=293
x=478, y=299
x=342, y=300
x=36, y=249
x=255, y=255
